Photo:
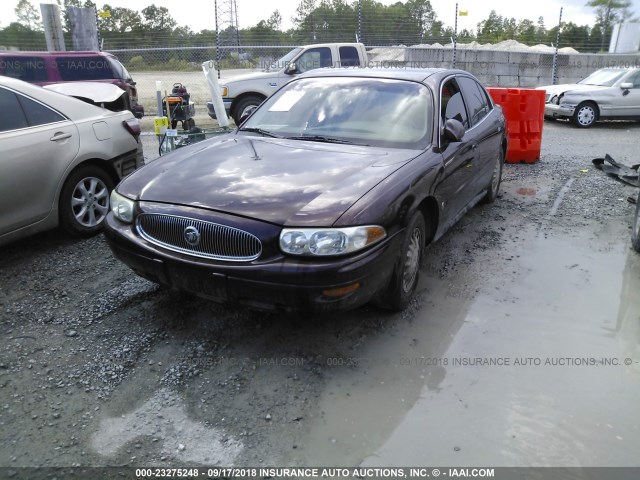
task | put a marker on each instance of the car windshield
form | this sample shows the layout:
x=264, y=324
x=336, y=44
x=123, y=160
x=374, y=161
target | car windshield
x=284, y=61
x=363, y=111
x=604, y=78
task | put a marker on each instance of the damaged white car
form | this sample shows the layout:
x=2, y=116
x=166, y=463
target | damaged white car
x=606, y=94
x=105, y=95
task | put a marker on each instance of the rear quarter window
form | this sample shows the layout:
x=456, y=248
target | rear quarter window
x=73, y=69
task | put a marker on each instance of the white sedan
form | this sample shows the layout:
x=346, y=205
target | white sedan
x=60, y=158
x=606, y=94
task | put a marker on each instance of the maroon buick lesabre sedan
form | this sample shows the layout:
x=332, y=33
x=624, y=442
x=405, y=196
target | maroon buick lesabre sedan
x=325, y=197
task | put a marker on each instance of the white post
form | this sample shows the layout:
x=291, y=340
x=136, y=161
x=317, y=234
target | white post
x=216, y=96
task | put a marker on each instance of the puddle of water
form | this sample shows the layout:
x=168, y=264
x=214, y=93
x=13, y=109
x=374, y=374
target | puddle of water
x=567, y=303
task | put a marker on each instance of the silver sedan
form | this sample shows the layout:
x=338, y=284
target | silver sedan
x=606, y=94
x=59, y=160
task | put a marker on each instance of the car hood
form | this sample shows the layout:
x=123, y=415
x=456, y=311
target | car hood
x=284, y=182
x=250, y=76
x=571, y=87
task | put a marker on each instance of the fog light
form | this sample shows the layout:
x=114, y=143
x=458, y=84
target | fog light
x=341, y=291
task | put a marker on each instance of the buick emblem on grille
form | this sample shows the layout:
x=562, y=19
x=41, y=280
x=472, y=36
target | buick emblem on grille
x=192, y=236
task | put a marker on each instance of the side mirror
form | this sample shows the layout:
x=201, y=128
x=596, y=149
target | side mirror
x=291, y=69
x=626, y=85
x=247, y=113
x=453, y=130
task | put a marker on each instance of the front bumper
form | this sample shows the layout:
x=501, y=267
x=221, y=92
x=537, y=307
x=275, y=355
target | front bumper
x=558, y=111
x=279, y=283
x=227, y=107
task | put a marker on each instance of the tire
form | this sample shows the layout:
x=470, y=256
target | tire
x=496, y=179
x=243, y=105
x=585, y=115
x=635, y=233
x=406, y=274
x=84, y=201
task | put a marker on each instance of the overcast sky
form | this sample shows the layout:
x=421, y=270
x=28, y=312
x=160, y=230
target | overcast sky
x=199, y=14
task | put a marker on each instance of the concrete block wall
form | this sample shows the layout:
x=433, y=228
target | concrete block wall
x=502, y=68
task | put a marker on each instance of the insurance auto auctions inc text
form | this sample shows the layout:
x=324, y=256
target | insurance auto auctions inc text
x=375, y=472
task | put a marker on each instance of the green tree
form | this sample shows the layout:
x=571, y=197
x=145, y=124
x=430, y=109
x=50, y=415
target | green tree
x=491, y=30
x=121, y=20
x=19, y=35
x=526, y=32
x=304, y=20
x=576, y=36
x=28, y=15
x=157, y=19
x=609, y=12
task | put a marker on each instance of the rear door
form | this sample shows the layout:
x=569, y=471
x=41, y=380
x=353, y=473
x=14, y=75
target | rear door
x=37, y=145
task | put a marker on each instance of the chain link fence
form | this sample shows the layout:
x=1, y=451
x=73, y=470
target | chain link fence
x=506, y=64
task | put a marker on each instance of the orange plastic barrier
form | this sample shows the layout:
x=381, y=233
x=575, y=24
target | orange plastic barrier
x=524, y=111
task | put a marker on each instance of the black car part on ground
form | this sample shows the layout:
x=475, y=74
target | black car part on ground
x=625, y=174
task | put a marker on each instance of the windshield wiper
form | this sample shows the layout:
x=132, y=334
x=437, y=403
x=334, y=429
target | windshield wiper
x=264, y=133
x=320, y=138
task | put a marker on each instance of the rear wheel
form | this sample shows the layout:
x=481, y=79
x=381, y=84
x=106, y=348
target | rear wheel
x=635, y=235
x=496, y=179
x=404, y=280
x=84, y=201
x=585, y=114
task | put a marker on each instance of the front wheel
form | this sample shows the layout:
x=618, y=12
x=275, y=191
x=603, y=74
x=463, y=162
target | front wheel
x=84, y=201
x=635, y=234
x=585, y=114
x=496, y=179
x=404, y=280
x=243, y=107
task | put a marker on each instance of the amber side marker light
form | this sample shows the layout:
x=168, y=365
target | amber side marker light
x=375, y=234
x=342, y=291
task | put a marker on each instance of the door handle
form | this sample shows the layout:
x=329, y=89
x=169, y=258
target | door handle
x=60, y=136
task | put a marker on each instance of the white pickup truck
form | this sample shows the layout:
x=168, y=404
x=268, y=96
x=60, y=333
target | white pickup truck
x=245, y=91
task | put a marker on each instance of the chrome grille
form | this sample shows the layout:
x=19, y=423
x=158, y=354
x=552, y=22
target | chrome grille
x=217, y=242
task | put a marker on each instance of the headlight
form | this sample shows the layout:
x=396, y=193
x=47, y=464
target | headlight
x=122, y=207
x=225, y=90
x=329, y=241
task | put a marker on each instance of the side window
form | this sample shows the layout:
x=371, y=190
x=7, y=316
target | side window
x=27, y=69
x=84, y=68
x=9, y=103
x=314, y=58
x=475, y=99
x=452, y=104
x=349, y=57
x=38, y=114
x=635, y=79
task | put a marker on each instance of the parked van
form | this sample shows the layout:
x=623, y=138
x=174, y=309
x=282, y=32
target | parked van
x=44, y=68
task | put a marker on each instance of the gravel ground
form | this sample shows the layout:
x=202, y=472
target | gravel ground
x=100, y=367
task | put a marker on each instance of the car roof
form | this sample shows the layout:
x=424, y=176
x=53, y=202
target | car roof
x=399, y=73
